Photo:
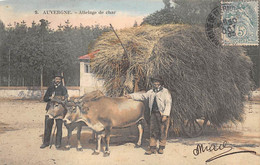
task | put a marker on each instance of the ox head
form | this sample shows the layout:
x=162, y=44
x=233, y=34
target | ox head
x=73, y=111
x=57, y=107
x=77, y=107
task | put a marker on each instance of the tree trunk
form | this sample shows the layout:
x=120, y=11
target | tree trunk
x=9, y=70
x=63, y=81
x=42, y=92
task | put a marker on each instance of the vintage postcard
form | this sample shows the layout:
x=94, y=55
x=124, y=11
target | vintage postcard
x=123, y=82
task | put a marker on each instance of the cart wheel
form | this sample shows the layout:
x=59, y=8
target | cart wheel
x=193, y=128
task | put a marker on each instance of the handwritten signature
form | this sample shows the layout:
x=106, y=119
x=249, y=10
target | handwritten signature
x=215, y=147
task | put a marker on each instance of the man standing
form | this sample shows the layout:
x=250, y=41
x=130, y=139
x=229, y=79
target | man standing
x=160, y=102
x=55, y=90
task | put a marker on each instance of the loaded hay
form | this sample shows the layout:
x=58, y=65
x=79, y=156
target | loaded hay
x=204, y=80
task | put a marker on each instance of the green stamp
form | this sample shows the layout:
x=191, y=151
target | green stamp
x=239, y=23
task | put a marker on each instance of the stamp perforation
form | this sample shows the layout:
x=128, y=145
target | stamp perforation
x=242, y=28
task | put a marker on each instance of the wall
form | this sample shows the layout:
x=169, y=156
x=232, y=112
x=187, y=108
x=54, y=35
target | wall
x=88, y=82
x=30, y=92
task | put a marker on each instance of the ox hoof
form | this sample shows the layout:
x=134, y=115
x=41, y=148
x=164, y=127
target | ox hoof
x=137, y=146
x=95, y=153
x=80, y=149
x=92, y=141
x=106, y=154
x=67, y=147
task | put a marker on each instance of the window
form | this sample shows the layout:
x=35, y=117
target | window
x=87, y=68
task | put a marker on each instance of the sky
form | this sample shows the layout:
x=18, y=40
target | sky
x=123, y=13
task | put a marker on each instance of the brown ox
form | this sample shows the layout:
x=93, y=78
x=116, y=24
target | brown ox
x=70, y=106
x=104, y=113
x=58, y=109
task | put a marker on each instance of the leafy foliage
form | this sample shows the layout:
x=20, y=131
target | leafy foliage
x=195, y=11
x=183, y=11
x=39, y=47
x=164, y=16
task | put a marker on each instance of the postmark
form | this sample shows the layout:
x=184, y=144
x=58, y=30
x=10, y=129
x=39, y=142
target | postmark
x=239, y=23
x=213, y=26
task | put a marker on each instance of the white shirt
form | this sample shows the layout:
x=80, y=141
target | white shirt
x=163, y=99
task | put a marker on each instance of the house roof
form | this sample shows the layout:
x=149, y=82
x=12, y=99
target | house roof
x=88, y=56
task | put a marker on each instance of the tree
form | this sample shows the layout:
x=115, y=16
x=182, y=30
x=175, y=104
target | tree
x=135, y=24
x=2, y=32
x=167, y=4
x=164, y=16
x=2, y=39
x=183, y=11
x=13, y=36
x=195, y=11
x=38, y=47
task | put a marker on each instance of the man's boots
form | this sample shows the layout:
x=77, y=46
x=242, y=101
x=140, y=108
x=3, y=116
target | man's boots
x=160, y=150
x=47, y=132
x=151, y=150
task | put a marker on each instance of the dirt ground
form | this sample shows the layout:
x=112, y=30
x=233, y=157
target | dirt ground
x=21, y=131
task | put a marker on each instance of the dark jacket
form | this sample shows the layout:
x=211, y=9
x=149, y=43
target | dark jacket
x=59, y=91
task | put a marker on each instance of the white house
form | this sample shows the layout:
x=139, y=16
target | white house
x=88, y=81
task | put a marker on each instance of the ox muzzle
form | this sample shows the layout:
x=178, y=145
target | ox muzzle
x=71, y=116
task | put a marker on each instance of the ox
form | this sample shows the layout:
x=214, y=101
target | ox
x=58, y=109
x=70, y=106
x=104, y=113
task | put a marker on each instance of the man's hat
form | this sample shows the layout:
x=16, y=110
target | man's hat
x=157, y=78
x=57, y=75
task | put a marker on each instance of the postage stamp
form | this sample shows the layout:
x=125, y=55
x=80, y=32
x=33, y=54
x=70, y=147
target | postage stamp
x=239, y=23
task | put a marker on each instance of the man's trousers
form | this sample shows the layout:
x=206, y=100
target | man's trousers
x=158, y=130
x=48, y=128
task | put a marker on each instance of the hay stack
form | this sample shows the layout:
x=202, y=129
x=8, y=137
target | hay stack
x=205, y=81
x=111, y=63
